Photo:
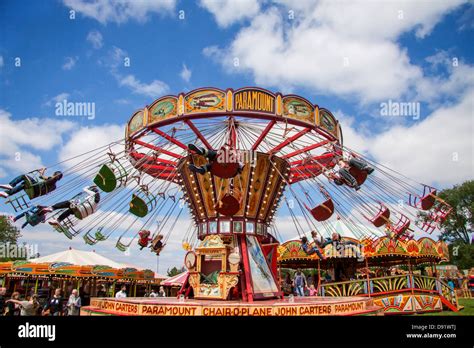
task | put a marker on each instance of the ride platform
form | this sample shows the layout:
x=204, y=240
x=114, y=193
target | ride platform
x=300, y=306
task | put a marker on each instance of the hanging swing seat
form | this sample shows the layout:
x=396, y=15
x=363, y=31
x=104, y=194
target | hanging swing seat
x=18, y=202
x=436, y=217
x=66, y=228
x=121, y=246
x=381, y=218
x=142, y=203
x=110, y=176
x=401, y=226
x=323, y=211
x=225, y=170
x=228, y=205
x=88, y=239
x=99, y=236
x=359, y=175
x=425, y=201
x=35, y=185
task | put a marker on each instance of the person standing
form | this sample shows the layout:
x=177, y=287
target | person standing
x=153, y=293
x=13, y=308
x=122, y=293
x=3, y=292
x=54, y=305
x=28, y=307
x=299, y=282
x=74, y=303
x=101, y=292
x=162, y=292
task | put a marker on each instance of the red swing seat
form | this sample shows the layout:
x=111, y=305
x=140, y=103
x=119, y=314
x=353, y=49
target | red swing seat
x=228, y=205
x=225, y=170
x=323, y=211
x=402, y=225
x=424, y=202
x=381, y=218
x=437, y=217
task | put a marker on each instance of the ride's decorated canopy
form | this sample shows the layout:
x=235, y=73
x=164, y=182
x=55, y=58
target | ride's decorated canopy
x=377, y=252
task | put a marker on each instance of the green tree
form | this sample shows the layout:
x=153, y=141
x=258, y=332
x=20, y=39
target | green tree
x=175, y=271
x=458, y=226
x=461, y=255
x=9, y=233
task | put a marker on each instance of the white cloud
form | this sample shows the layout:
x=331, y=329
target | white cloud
x=228, y=12
x=120, y=11
x=185, y=73
x=153, y=89
x=69, y=63
x=115, y=59
x=349, y=49
x=86, y=139
x=438, y=150
x=18, y=137
x=95, y=38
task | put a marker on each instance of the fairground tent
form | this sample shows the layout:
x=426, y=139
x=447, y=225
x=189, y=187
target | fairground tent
x=80, y=258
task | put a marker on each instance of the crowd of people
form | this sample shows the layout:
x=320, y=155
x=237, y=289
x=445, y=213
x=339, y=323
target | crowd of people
x=30, y=305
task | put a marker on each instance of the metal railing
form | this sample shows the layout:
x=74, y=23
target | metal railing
x=389, y=285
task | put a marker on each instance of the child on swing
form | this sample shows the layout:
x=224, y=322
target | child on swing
x=157, y=244
x=311, y=250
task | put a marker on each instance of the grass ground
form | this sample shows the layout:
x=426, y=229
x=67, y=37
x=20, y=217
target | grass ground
x=468, y=304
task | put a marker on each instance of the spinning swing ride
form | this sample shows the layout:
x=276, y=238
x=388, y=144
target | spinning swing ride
x=270, y=150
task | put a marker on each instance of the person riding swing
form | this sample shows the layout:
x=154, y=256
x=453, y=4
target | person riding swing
x=41, y=185
x=144, y=238
x=157, y=244
x=314, y=249
x=33, y=216
x=81, y=207
x=344, y=175
x=212, y=157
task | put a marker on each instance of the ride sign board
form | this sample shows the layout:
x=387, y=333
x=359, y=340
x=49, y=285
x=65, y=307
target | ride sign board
x=167, y=307
x=246, y=101
x=254, y=99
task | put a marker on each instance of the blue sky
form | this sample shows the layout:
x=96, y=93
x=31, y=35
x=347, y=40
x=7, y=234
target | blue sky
x=399, y=50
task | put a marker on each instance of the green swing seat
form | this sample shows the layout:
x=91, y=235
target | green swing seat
x=34, y=187
x=142, y=203
x=120, y=246
x=111, y=176
x=88, y=239
x=64, y=230
x=99, y=236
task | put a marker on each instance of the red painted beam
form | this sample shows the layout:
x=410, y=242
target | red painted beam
x=157, y=148
x=264, y=134
x=150, y=159
x=160, y=168
x=306, y=149
x=314, y=159
x=198, y=134
x=170, y=138
x=289, y=140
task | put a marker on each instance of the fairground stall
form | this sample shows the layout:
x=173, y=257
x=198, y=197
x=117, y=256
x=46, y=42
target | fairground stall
x=373, y=268
x=86, y=271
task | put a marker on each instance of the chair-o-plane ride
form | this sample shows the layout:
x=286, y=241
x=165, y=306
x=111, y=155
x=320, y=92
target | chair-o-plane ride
x=231, y=157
